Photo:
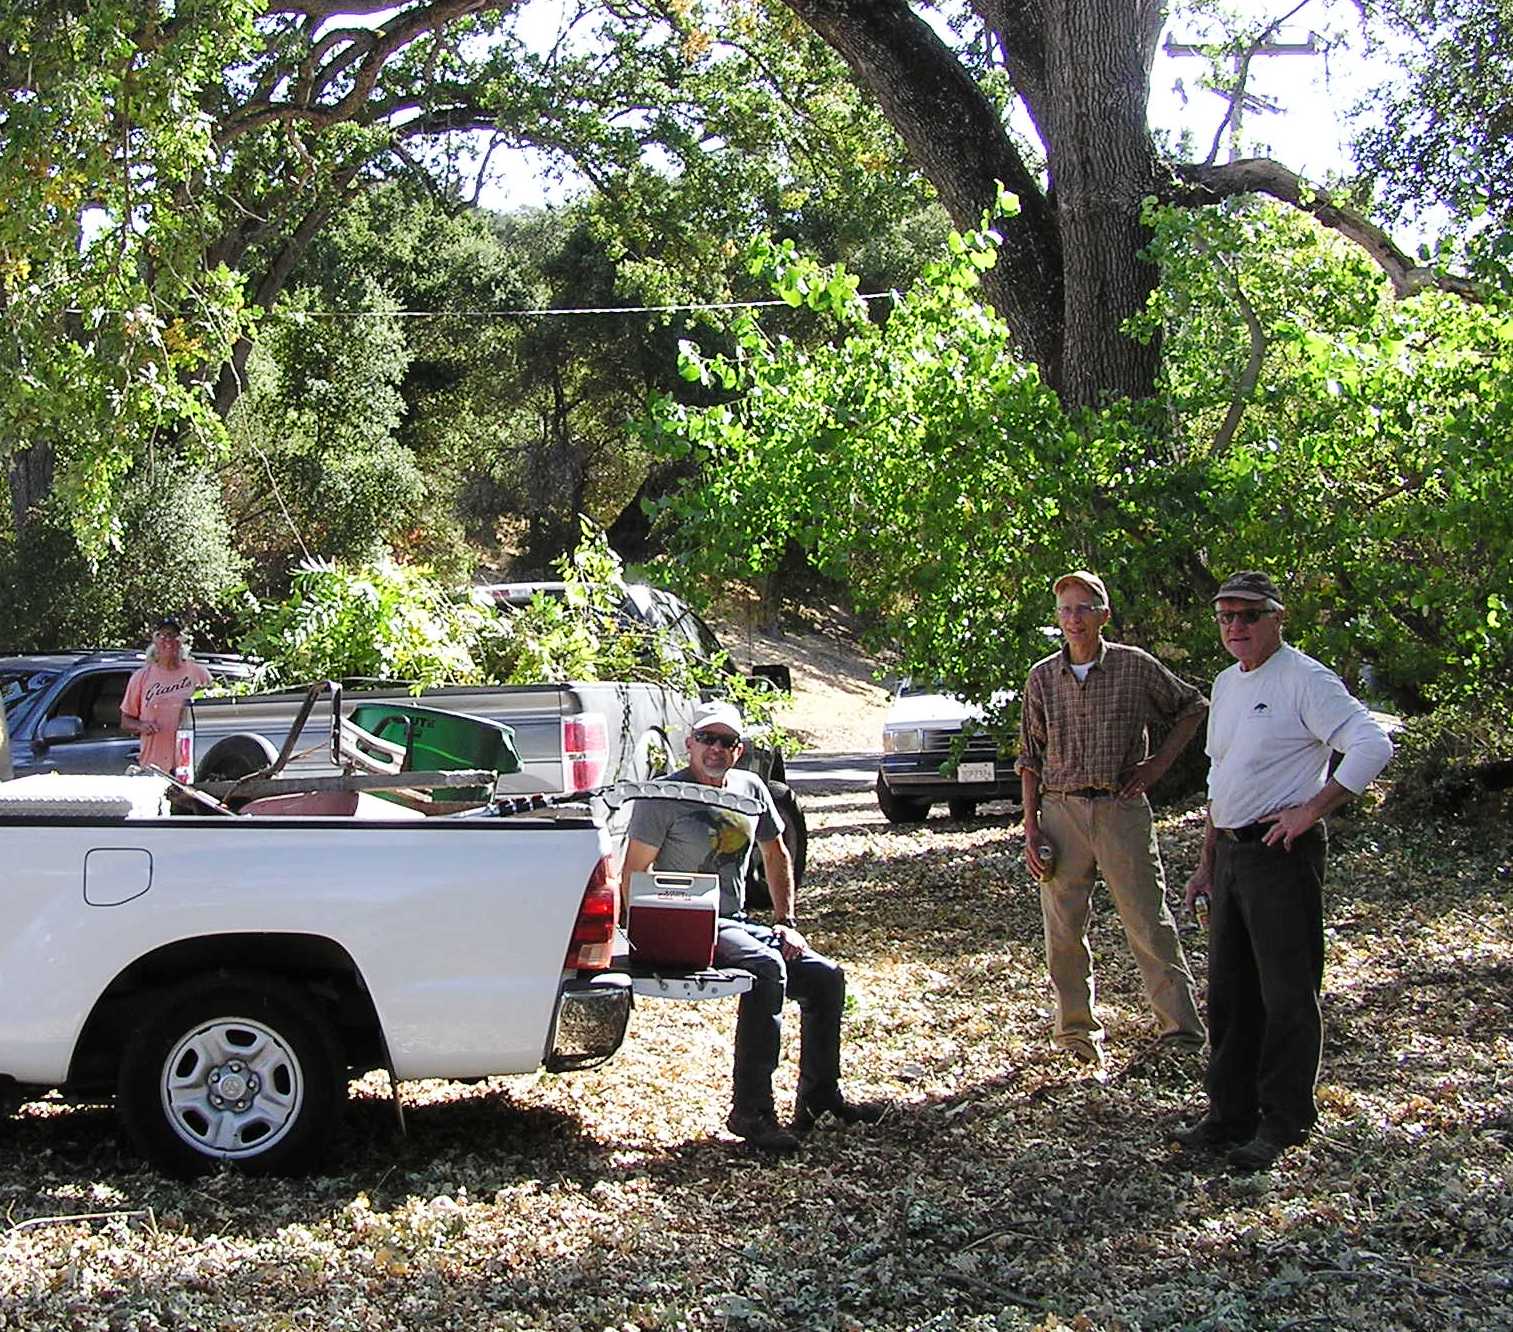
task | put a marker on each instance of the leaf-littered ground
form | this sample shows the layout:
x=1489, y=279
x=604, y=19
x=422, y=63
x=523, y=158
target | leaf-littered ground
x=1004, y=1190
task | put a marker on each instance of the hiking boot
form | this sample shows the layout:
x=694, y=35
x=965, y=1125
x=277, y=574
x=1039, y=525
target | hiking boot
x=1209, y=1134
x=1260, y=1153
x=806, y=1114
x=761, y=1129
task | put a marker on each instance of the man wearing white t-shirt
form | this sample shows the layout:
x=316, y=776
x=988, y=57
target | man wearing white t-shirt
x=1276, y=719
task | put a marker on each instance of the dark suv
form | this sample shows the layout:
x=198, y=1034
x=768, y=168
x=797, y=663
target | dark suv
x=63, y=709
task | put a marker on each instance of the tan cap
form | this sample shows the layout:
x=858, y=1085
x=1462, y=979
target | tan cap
x=1089, y=580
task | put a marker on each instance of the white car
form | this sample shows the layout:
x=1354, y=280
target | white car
x=920, y=766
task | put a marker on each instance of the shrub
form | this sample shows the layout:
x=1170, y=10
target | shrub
x=1456, y=760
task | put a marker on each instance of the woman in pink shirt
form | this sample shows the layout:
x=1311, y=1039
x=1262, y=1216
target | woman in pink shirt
x=156, y=693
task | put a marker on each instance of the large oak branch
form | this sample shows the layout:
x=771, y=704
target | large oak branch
x=1208, y=183
x=955, y=135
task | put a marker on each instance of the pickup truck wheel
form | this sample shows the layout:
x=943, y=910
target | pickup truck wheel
x=241, y=1071
x=897, y=808
x=795, y=829
x=234, y=757
x=795, y=838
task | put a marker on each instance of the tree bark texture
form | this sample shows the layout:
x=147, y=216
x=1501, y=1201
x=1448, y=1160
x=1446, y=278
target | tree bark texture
x=1069, y=272
x=1102, y=165
x=956, y=136
x=30, y=474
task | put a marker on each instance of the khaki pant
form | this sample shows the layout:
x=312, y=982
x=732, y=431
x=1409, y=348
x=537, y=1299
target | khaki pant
x=1118, y=839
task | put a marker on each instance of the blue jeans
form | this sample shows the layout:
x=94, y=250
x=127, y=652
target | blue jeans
x=815, y=983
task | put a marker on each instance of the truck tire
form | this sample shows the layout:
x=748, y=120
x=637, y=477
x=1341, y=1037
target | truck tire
x=795, y=838
x=236, y=756
x=232, y=1069
x=897, y=808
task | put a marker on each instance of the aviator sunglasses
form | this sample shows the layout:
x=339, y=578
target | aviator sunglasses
x=717, y=738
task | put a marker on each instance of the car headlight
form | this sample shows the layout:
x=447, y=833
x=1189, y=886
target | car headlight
x=901, y=742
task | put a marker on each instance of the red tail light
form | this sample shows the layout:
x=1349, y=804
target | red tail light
x=183, y=756
x=593, y=939
x=585, y=751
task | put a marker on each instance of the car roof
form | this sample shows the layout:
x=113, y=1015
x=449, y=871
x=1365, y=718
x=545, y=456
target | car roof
x=225, y=662
x=518, y=593
x=59, y=661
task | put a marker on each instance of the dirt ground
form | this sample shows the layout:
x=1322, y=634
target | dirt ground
x=840, y=690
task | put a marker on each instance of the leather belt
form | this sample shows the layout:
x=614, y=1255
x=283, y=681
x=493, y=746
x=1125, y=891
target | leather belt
x=1085, y=793
x=1251, y=832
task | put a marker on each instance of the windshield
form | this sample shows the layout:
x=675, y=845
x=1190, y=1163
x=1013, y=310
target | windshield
x=16, y=687
x=912, y=688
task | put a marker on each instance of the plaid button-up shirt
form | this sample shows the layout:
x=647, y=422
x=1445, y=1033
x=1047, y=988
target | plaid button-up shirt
x=1091, y=734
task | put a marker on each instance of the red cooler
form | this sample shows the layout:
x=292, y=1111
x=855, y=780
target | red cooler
x=672, y=919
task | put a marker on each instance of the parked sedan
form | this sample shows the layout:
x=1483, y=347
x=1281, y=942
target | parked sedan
x=919, y=766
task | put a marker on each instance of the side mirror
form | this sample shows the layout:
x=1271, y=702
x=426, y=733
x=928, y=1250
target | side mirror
x=60, y=730
x=781, y=676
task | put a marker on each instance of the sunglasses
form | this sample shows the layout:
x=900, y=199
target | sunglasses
x=1244, y=616
x=718, y=739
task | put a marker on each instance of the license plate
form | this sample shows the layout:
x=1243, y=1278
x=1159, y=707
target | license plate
x=974, y=772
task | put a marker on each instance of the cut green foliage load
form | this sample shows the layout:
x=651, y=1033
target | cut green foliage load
x=394, y=622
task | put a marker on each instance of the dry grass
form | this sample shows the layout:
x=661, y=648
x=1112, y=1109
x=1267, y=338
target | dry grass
x=1003, y=1192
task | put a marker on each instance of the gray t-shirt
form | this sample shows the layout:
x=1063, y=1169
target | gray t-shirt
x=704, y=839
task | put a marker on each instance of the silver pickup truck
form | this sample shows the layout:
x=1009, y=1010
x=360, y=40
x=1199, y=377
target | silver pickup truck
x=570, y=737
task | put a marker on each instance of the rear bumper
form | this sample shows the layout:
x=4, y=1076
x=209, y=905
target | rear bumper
x=589, y=1024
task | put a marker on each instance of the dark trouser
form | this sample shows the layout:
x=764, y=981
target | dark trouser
x=818, y=986
x=1265, y=969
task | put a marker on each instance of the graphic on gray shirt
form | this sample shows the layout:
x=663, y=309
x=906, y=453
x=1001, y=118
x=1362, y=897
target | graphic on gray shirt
x=704, y=839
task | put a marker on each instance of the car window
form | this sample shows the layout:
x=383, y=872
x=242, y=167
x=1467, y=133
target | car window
x=20, y=687
x=686, y=624
x=95, y=699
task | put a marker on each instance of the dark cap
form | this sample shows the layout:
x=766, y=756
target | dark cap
x=1249, y=585
x=169, y=624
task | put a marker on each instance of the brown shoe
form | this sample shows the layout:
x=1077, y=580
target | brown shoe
x=1260, y=1153
x=806, y=1114
x=761, y=1129
x=1210, y=1135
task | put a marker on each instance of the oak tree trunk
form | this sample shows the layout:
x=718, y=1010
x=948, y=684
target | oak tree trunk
x=1069, y=272
x=1102, y=165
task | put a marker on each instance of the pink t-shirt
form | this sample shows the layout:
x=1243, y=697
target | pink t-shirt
x=158, y=695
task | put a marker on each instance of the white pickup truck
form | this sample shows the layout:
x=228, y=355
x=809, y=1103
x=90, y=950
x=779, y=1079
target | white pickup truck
x=222, y=976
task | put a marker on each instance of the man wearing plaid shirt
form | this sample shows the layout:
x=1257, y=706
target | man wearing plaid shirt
x=1085, y=768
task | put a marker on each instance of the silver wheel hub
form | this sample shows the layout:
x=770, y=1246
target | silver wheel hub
x=232, y=1088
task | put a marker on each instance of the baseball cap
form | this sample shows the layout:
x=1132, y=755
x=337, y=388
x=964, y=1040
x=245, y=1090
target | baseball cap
x=168, y=624
x=1249, y=585
x=1090, y=580
x=717, y=712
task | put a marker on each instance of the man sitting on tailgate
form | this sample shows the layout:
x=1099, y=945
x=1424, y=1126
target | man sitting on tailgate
x=705, y=839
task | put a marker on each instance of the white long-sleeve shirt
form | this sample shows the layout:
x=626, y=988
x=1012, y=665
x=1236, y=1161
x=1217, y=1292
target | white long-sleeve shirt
x=1272, y=731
